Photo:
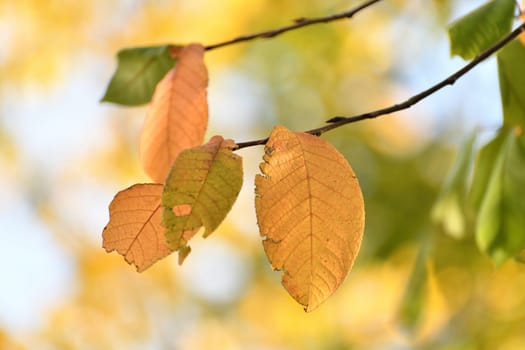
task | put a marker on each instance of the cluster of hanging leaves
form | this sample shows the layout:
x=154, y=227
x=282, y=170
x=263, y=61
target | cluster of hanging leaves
x=309, y=205
x=308, y=201
x=494, y=195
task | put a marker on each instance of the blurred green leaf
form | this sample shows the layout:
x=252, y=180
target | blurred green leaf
x=483, y=169
x=500, y=230
x=449, y=209
x=138, y=72
x=200, y=190
x=481, y=28
x=413, y=302
x=512, y=83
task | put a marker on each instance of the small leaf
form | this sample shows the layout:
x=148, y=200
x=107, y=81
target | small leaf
x=500, y=230
x=178, y=114
x=478, y=30
x=449, y=207
x=200, y=190
x=512, y=82
x=135, y=230
x=310, y=211
x=138, y=72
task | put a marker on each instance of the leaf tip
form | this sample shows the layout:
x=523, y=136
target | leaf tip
x=184, y=251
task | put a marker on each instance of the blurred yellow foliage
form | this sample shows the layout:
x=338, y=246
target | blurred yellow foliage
x=42, y=36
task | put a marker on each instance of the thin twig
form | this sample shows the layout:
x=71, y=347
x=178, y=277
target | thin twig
x=299, y=23
x=338, y=121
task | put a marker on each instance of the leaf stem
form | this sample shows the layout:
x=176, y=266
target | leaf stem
x=338, y=121
x=299, y=23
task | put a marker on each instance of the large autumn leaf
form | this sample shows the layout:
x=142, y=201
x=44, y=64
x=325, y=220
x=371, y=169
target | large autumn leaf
x=200, y=190
x=310, y=211
x=178, y=114
x=135, y=226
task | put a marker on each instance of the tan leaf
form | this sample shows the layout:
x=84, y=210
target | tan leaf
x=135, y=228
x=310, y=211
x=178, y=113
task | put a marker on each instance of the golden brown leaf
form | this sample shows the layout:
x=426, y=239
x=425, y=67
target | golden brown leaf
x=311, y=212
x=178, y=114
x=135, y=228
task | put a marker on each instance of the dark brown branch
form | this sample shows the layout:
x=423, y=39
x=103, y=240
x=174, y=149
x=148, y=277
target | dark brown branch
x=299, y=23
x=338, y=121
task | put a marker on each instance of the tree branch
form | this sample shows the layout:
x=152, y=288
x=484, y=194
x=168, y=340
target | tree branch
x=299, y=23
x=338, y=121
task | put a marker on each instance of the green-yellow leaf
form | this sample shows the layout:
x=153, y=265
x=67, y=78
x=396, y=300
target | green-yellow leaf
x=200, y=190
x=478, y=30
x=500, y=229
x=512, y=83
x=135, y=230
x=310, y=212
x=138, y=72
